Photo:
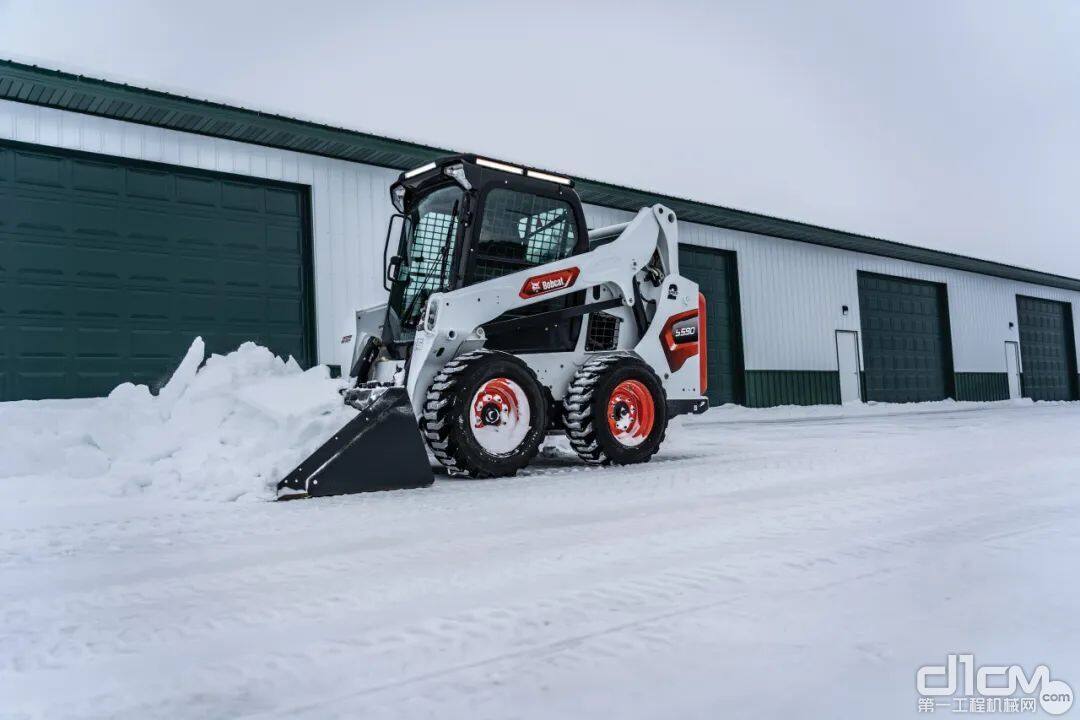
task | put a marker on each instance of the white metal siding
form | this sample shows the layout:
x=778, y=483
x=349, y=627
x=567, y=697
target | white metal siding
x=791, y=292
x=350, y=202
x=792, y=295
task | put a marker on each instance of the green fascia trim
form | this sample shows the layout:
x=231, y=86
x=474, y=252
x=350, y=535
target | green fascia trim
x=65, y=91
x=767, y=388
x=982, y=386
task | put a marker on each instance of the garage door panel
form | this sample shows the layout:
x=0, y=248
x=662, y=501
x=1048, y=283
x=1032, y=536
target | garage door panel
x=196, y=307
x=109, y=268
x=38, y=258
x=1047, y=349
x=38, y=300
x=142, y=270
x=240, y=275
x=196, y=234
x=101, y=268
x=187, y=273
x=197, y=191
x=283, y=278
x=146, y=225
x=152, y=344
x=905, y=339
x=35, y=214
x=37, y=169
x=38, y=384
x=149, y=184
x=96, y=177
x=88, y=219
x=97, y=303
x=245, y=309
x=283, y=312
x=43, y=339
x=284, y=240
x=238, y=235
x=98, y=343
x=282, y=203
x=238, y=196
x=64, y=302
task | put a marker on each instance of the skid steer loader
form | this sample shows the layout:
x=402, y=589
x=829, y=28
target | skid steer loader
x=508, y=320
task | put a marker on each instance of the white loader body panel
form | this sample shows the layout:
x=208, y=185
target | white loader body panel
x=452, y=321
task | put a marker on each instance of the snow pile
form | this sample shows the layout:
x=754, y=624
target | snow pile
x=226, y=430
x=231, y=427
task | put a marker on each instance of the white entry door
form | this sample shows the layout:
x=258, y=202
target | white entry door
x=847, y=359
x=1012, y=367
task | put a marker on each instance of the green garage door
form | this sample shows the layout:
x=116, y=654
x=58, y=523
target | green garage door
x=1047, y=349
x=715, y=273
x=905, y=332
x=109, y=268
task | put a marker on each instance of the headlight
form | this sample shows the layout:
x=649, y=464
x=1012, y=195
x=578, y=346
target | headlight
x=430, y=314
x=397, y=196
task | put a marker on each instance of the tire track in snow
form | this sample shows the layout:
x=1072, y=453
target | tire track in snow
x=689, y=528
x=603, y=599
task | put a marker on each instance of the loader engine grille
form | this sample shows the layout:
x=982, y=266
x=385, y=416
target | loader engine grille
x=603, y=332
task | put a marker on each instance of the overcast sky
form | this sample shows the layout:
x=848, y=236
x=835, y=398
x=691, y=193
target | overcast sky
x=952, y=125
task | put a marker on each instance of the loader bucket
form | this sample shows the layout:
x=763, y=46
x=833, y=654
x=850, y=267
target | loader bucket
x=379, y=449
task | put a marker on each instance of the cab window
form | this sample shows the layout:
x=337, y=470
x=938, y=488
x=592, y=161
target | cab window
x=519, y=230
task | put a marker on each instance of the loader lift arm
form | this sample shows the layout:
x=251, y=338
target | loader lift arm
x=453, y=322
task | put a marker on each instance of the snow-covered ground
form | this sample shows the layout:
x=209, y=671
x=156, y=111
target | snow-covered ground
x=796, y=563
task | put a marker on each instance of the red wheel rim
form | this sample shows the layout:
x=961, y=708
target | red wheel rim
x=631, y=413
x=500, y=416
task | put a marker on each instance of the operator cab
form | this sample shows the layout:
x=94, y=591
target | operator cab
x=465, y=219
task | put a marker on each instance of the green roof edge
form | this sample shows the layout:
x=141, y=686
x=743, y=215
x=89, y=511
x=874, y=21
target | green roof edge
x=92, y=96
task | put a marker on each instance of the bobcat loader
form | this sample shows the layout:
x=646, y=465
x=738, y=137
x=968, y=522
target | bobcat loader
x=508, y=320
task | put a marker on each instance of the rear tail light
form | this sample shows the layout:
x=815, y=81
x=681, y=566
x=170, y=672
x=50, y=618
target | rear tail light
x=703, y=355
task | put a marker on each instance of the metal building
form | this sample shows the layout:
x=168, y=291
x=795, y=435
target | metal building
x=133, y=220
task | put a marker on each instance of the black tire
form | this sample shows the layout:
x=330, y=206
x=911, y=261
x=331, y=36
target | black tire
x=448, y=420
x=586, y=409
